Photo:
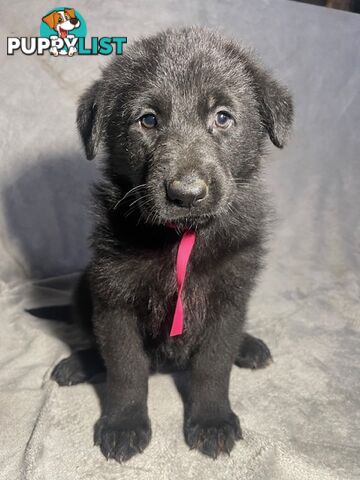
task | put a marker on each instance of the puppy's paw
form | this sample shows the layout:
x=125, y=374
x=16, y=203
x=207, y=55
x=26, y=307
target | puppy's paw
x=69, y=372
x=80, y=367
x=71, y=51
x=213, y=437
x=122, y=440
x=253, y=353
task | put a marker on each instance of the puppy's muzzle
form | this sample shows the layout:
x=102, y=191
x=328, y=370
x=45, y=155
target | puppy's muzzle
x=187, y=191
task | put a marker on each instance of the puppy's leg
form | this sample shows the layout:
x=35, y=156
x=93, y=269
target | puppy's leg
x=124, y=428
x=81, y=366
x=253, y=353
x=210, y=424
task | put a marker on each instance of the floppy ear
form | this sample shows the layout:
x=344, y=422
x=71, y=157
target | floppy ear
x=90, y=119
x=50, y=20
x=276, y=106
x=70, y=11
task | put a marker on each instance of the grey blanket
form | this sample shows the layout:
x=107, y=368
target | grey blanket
x=300, y=416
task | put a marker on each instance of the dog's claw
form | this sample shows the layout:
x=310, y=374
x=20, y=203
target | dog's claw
x=121, y=442
x=214, y=437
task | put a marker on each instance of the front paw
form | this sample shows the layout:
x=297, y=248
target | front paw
x=121, y=440
x=214, y=436
x=71, y=51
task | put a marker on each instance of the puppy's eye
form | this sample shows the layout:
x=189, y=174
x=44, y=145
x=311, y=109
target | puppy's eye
x=223, y=119
x=148, y=120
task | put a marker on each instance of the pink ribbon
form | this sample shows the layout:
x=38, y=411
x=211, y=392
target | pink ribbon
x=186, y=245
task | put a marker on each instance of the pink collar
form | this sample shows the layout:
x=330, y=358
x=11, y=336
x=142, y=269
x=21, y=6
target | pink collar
x=186, y=245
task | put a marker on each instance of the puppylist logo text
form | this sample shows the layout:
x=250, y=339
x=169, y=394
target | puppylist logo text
x=62, y=33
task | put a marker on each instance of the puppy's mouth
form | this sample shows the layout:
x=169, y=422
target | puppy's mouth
x=188, y=220
x=63, y=32
x=188, y=223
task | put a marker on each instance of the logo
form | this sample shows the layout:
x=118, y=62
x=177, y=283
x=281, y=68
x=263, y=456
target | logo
x=62, y=33
x=64, y=27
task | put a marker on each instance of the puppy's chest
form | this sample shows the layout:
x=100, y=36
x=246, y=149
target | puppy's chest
x=158, y=315
x=162, y=292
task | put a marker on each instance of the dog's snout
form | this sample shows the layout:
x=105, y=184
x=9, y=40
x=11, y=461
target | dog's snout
x=74, y=21
x=186, y=192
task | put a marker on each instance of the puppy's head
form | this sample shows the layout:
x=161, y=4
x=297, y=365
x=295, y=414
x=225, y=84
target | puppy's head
x=183, y=117
x=62, y=21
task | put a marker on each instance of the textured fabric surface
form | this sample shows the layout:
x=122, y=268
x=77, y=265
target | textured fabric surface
x=300, y=417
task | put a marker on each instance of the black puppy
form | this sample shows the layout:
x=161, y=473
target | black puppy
x=183, y=118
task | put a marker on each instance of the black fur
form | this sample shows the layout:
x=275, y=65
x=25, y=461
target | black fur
x=128, y=292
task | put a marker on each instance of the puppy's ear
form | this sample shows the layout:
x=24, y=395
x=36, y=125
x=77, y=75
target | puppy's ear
x=90, y=119
x=276, y=106
x=50, y=20
x=70, y=12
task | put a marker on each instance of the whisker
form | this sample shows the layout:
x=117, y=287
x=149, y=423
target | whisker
x=142, y=197
x=233, y=215
x=127, y=194
x=135, y=206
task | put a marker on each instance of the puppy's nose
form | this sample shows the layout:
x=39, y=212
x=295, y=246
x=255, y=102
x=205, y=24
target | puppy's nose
x=187, y=192
x=74, y=21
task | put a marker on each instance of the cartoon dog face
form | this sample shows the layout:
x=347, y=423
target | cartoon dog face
x=62, y=21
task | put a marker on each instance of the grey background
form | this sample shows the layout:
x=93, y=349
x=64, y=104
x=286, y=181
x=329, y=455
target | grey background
x=301, y=416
